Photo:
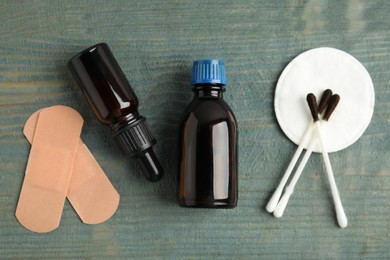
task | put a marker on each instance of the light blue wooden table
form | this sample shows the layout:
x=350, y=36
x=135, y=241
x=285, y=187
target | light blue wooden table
x=155, y=43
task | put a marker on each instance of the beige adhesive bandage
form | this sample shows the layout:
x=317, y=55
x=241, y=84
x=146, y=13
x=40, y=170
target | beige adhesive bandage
x=90, y=191
x=49, y=168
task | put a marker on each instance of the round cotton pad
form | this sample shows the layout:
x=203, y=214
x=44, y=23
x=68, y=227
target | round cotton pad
x=314, y=71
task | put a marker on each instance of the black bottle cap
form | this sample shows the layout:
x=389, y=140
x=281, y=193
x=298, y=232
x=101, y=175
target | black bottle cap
x=114, y=102
x=136, y=140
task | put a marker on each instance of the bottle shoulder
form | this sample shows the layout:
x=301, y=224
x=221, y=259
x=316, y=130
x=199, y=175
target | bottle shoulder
x=209, y=110
x=200, y=104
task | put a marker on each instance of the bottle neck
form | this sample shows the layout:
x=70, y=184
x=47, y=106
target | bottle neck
x=208, y=91
x=124, y=121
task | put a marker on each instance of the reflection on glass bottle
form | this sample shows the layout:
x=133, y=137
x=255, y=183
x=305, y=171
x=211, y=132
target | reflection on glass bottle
x=220, y=140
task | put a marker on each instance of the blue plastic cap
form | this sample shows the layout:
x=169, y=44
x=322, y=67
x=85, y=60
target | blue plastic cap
x=208, y=72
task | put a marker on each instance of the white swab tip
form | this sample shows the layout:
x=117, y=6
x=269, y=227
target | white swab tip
x=343, y=222
x=270, y=208
x=278, y=213
x=273, y=201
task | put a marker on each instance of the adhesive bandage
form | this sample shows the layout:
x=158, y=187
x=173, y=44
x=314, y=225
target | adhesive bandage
x=88, y=189
x=49, y=169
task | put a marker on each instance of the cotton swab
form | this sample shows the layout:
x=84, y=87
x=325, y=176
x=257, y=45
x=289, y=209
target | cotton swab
x=281, y=206
x=340, y=214
x=273, y=202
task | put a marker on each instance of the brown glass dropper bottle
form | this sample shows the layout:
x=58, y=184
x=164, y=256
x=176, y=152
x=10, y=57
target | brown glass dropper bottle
x=114, y=102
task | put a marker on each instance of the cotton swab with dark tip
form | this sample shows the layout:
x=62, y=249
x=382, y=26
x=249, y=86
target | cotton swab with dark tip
x=273, y=201
x=331, y=107
x=325, y=98
x=311, y=99
x=340, y=214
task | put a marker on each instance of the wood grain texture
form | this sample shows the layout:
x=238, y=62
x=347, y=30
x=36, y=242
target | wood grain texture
x=155, y=43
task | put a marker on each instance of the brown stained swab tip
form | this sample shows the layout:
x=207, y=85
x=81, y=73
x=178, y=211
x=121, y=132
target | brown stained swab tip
x=331, y=106
x=312, y=102
x=325, y=99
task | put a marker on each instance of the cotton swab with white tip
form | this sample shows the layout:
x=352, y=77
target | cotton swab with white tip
x=281, y=206
x=273, y=202
x=340, y=214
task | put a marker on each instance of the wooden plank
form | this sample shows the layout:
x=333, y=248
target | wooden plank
x=155, y=43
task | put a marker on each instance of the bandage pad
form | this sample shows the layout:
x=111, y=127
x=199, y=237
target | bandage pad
x=49, y=169
x=90, y=191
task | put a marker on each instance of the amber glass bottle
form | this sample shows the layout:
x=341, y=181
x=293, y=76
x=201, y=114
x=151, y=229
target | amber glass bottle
x=208, y=142
x=115, y=104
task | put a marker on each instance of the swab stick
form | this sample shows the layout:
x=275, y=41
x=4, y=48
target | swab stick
x=290, y=188
x=272, y=203
x=340, y=214
x=281, y=206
